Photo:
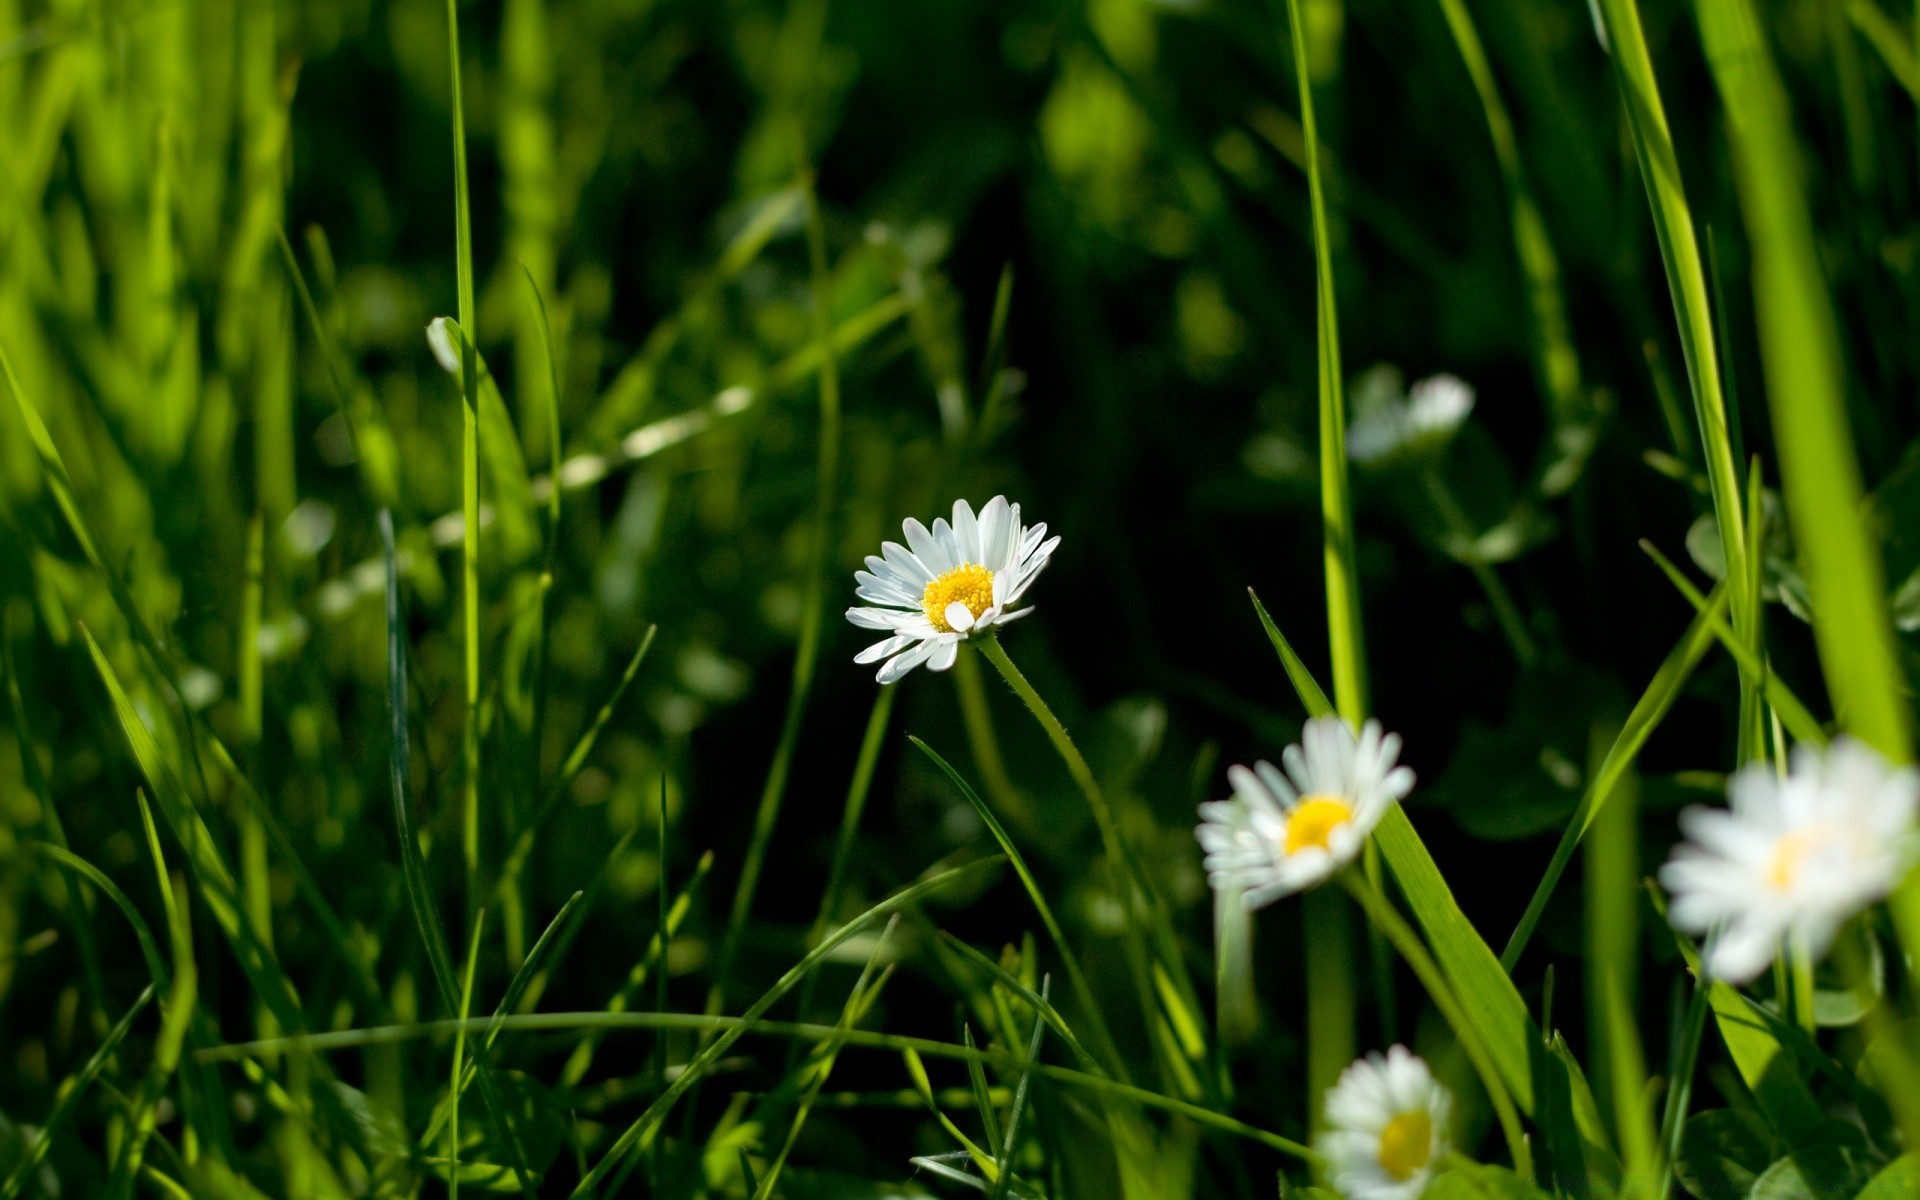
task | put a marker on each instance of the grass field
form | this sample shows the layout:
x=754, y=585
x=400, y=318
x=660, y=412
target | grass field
x=440, y=439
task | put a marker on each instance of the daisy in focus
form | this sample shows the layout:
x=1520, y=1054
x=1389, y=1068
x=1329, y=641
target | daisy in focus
x=1386, y=1127
x=1387, y=423
x=947, y=584
x=1285, y=831
x=1792, y=859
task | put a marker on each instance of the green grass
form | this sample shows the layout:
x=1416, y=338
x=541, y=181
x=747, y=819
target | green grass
x=433, y=761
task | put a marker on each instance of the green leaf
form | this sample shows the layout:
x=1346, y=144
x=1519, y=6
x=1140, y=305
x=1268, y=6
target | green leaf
x=1723, y=1151
x=1898, y=1180
x=1475, y=1181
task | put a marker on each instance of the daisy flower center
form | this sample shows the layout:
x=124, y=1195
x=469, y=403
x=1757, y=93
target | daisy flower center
x=1406, y=1144
x=968, y=584
x=1313, y=821
x=1789, y=853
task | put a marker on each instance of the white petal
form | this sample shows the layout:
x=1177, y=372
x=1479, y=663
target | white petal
x=943, y=655
x=880, y=650
x=900, y=664
x=966, y=532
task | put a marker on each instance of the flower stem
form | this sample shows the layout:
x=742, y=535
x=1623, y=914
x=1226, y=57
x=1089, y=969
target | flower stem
x=1504, y=609
x=1381, y=913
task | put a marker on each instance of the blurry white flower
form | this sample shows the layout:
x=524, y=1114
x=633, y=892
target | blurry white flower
x=1425, y=417
x=1386, y=1127
x=444, y=338
x=947, y=584
x=1792, y=858
x=1285, y=832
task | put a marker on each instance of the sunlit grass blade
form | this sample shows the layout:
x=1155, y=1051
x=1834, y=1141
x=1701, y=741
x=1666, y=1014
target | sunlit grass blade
x=459, y=1056
x=469, y=471
x=71, y=1092
x=1774, y=1076
x=1898, y=50
x=1686, y=280
x=697, y=1067
x=1486, y=992
x=1806, y=386
x=1786, y=705
x=1380, y=913
x=1646, y=716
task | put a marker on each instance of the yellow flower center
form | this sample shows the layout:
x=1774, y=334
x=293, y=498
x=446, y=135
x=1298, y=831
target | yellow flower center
x=1406, y=1144
x=969, y=584
x=1313, y=821
x=1788, y=853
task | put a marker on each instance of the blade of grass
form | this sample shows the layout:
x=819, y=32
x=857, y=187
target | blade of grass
x=459, y=1055
x=1380, y=913
x=1800, y=353
x=695, y=1069
x=1785, y=704
x=820, y=1065
x=1018, y=1109
x=69, y=1096
x=412, y=866
x=469, y=473
x=1083, y=992
x=1646, y=716
x=1898, y=49
x=176, y=1014
x=1680, y=253
x=813, y=613
x=1486, y=993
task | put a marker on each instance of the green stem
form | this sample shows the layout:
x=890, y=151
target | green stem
x=1381, y=913
x=1120, y=866
x=1504, y=609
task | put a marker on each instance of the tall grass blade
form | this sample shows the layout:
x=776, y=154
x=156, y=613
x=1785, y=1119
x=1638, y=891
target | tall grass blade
x=695, y=1069
x=71, y=1092
x=1646, y=716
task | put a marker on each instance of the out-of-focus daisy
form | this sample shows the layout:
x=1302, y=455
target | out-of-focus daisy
x=1387, y=424
x=1792, y=859
x=1284, y=831
x=947, y=584
x=1386, y=1127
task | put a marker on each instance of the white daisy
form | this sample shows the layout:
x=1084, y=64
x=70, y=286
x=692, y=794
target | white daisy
x=1284, y=832
x=947, y=584
x=1388, y=424
x=1792, y=859
x=1386, y=1127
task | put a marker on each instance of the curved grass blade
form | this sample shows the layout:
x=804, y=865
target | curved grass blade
x=1110, y=1057
x=70, y=1094
x=695, y=1069
x=1786, y=705
x=736, y=1026
x=149, y=949
x=1646, y=716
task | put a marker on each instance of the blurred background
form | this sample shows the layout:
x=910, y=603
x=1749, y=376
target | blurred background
x=1069, y=260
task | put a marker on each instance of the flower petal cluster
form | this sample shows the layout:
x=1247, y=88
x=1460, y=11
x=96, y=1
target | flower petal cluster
x=958, y=579
x=1425, y=418
x=1386, y=1127
x=1791, y=860
x=1287, y=830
